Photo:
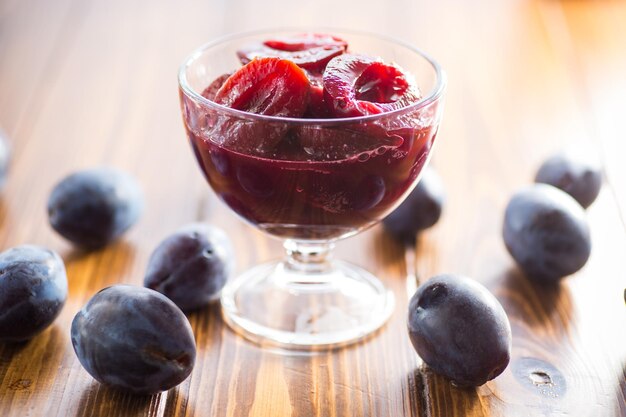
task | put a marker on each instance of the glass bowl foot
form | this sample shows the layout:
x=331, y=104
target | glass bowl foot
x=277, y=304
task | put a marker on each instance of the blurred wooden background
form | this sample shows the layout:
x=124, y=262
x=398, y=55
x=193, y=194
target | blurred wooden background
x=86, y=83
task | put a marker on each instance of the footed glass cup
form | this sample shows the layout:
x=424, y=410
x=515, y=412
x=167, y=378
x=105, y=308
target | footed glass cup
x=309, y=182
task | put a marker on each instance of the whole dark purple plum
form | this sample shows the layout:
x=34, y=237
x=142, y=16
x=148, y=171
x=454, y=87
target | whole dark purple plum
x=33, y=290
x=460, y=330
x=577, y=175
x=94, y=207
x=134, y=339
x=546, y=232
x=191, y=266
x=421, y=209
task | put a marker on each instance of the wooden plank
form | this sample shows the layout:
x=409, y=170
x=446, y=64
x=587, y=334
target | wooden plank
x=105, y=93
x=517, y=105
x=29, y=58
x=591, y=40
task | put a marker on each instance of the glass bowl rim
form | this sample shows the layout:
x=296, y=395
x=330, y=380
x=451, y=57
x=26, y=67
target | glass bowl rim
x=434, y=95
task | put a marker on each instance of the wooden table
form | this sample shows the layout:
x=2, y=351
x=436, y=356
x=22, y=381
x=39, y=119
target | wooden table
x=86, y=83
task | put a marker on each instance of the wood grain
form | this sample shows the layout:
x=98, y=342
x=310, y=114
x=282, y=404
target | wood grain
x=86, y=83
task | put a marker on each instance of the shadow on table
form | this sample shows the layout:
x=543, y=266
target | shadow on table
x=8, y=350
x=99, y=268
x=101, y=401
x=430, y=394
x=537, y=305
x=19, y=369
x=119, y=246
x=395, y=248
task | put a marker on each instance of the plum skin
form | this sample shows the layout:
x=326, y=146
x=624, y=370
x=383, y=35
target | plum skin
x=191, y=266
x=134, y=339
x=546, y=232
x=571, y=173
x=421, y=210
x=460, y=330
x=33, y=291
x=93, y=207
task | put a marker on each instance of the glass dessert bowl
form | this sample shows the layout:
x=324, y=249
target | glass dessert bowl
x=311, y=180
